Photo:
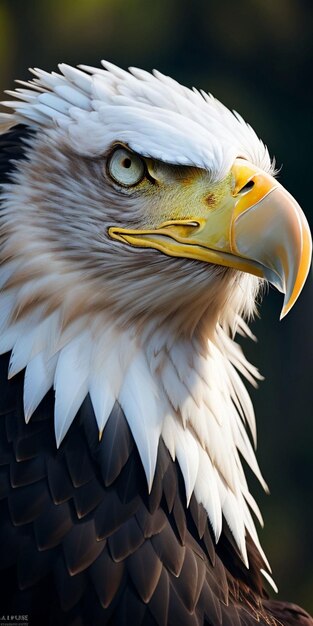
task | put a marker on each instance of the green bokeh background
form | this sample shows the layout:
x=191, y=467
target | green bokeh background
x=256, y=56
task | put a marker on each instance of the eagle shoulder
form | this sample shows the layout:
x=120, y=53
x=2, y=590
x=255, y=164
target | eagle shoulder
x=82, y=538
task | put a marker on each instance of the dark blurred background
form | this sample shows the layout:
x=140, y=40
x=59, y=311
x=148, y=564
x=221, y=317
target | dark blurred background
x=255, y=56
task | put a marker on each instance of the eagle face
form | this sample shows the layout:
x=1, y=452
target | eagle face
x=68, y=214
x=137, y=232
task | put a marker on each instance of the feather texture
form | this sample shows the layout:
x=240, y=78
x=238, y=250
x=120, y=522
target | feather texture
x=130, y=360
x=126, y=103
x=79, y=547
x=204, y=440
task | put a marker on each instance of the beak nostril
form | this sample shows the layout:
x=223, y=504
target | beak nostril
x=247, y=186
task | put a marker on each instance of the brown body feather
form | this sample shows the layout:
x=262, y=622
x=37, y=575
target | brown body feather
x=83, y=543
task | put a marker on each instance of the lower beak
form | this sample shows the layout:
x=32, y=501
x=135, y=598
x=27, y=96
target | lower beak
x=257, y=227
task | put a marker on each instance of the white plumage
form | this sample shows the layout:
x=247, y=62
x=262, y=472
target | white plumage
x=114, y=105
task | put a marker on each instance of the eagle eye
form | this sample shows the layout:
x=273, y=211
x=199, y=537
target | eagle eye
x=125, y=167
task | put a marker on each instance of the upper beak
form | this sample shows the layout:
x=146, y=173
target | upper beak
x=270, y=228
x=257, y=227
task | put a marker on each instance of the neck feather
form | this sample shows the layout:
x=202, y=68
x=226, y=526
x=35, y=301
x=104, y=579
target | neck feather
x=186, y=391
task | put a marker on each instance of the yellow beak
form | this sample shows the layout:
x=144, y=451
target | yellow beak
x=256, y=227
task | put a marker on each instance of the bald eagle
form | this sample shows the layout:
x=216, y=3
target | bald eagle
x=139, y=222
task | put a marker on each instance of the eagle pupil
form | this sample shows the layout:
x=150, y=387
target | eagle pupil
x=127, y=163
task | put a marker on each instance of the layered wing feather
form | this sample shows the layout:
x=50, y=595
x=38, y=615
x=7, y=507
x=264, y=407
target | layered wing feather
x=82, y=541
